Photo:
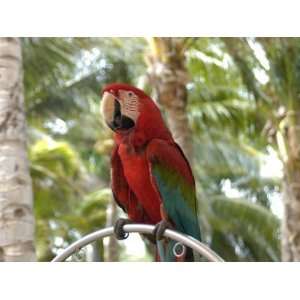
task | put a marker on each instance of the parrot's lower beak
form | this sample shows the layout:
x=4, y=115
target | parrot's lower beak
x=111, y=110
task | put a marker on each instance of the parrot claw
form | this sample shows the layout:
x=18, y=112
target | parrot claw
x=160, y=229
x=119, y=232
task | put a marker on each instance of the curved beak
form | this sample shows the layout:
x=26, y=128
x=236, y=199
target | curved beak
x=111, y=110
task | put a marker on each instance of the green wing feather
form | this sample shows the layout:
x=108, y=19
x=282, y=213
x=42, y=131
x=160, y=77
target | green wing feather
x=173, y=179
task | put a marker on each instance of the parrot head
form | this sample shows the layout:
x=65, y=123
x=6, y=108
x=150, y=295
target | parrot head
x=120, y=106
x=128, y=110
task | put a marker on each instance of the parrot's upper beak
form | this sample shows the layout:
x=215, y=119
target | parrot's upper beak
x=111, y=110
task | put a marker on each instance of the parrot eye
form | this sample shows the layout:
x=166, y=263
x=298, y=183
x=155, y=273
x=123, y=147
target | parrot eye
x=130, y=94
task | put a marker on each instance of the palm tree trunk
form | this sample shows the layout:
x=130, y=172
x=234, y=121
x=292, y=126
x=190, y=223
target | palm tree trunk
x=112, y=249
x=167, y=73
x=96, y=253
x=16, y=215
x=288, y=139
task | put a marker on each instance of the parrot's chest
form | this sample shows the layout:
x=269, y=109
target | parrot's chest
x=135, y=167
x=137, y=174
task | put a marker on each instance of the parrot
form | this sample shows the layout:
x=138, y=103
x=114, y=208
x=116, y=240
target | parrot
x=151, y=178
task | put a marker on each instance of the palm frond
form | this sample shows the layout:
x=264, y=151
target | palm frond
x=255, y=225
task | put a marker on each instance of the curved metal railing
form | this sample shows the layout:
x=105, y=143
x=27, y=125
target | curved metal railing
x=184, y=239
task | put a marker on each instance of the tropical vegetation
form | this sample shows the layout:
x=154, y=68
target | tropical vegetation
x=231, y=103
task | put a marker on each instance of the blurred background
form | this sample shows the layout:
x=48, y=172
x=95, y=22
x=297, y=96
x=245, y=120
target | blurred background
x=231, y=103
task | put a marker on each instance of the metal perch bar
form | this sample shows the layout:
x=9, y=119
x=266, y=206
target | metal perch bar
x=140, y=228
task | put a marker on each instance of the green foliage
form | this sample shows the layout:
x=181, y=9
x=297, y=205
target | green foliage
x=55, y=170
x=69, y=165
x=91, y=212
x=251, y=231
x=228, y=145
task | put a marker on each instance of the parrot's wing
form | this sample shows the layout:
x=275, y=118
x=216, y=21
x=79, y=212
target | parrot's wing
x=173, y=179
x=122, y=193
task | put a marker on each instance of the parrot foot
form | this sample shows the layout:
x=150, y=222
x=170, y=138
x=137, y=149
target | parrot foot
x=119, y=232
x=160, y=229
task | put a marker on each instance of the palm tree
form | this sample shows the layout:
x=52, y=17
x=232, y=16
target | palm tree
x=16, y=213
x=168, y=75
x=279, y=99
x=283, y=55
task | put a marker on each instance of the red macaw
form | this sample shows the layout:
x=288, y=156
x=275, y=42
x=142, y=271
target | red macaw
x=151, y=178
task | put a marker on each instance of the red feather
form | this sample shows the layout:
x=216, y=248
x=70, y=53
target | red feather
x=129, y=192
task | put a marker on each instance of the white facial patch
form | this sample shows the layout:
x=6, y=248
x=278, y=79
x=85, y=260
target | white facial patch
x=129, y=104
